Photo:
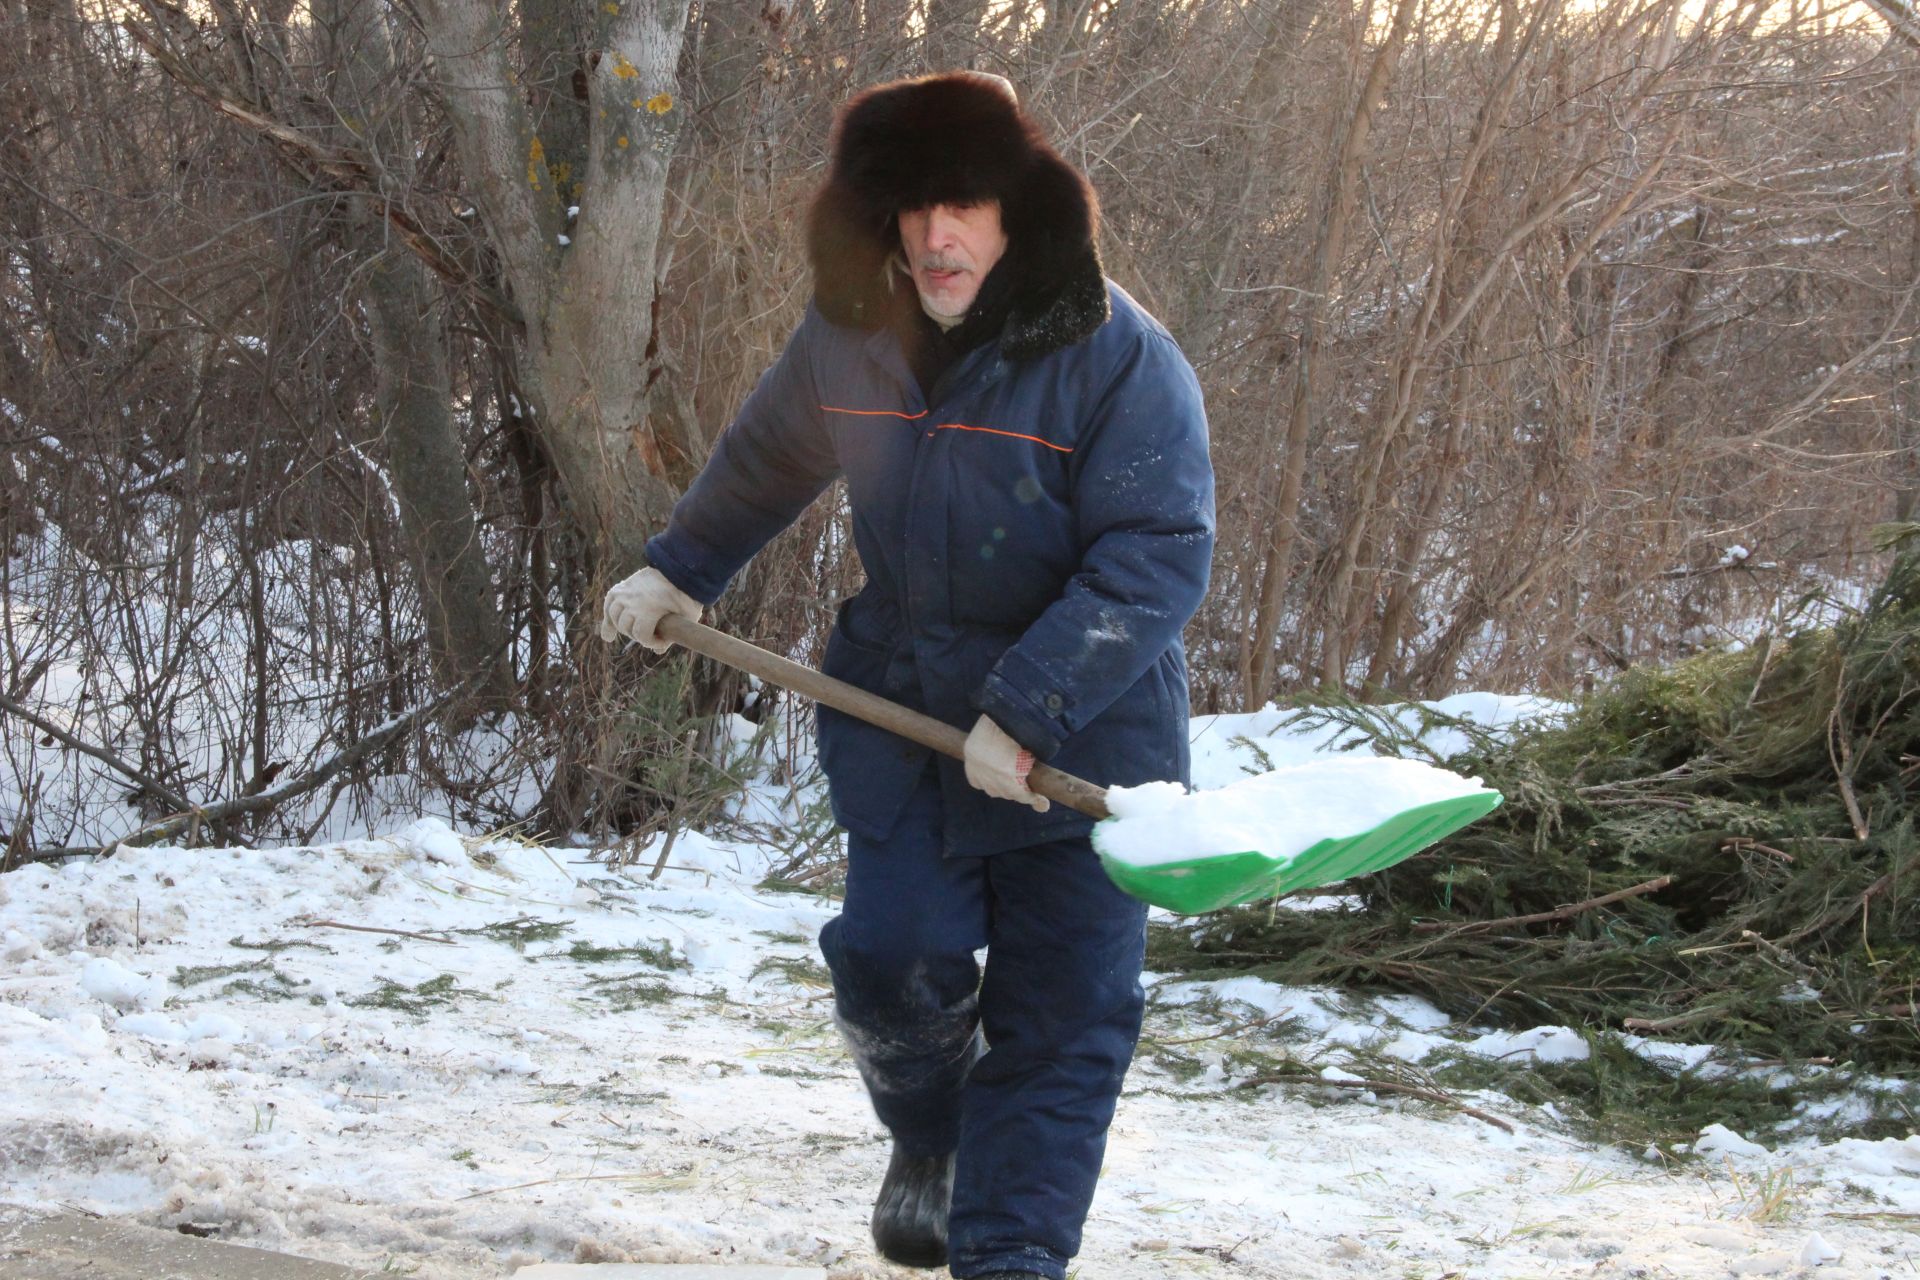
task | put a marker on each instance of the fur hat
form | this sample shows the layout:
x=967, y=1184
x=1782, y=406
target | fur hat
x=956, y=138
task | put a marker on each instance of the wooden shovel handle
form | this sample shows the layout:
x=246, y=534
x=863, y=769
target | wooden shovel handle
x=1068, y=790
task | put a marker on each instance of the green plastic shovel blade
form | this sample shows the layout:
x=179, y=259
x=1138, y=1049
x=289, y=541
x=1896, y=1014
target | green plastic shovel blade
x=1194, y=885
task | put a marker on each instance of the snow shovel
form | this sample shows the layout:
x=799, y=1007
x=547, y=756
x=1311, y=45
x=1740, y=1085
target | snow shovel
x=1188, y=886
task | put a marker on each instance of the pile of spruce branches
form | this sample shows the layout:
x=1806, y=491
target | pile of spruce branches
x=1721, y=851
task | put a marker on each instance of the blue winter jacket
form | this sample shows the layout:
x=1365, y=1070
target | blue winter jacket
x=1034, y=542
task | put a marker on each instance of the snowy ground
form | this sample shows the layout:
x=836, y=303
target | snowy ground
x=511, y=1056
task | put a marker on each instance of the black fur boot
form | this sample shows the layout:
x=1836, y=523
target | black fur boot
x=910, y=1215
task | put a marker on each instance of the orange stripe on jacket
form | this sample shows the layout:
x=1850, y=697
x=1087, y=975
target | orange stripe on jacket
x=876, y=413
x=995, y=431
x=945, y=426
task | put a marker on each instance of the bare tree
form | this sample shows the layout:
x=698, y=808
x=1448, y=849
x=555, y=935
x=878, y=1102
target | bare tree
x=1342, y=193
x=1538, y=340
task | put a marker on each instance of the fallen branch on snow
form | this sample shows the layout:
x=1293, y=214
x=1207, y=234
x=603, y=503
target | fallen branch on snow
x=1387, y=1086
x=192, y=817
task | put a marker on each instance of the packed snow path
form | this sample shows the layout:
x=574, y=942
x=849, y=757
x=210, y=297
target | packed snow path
x=511, y=1058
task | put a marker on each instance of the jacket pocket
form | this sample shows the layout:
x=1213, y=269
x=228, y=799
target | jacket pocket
x=870, y=773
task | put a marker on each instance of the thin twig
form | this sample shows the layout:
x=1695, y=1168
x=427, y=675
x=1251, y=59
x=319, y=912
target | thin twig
x=1558, y=913
x=1236, y=1029
x=1678, y=773
x=666, y=848
x=547, y=1182
x=1736, y=844
x=300, y=923
x=809, y=875
x=596, y=862
x=1786, y=958
x=1835, y=916
x=1387, y=1086
x=1852, y=801
x=1677, y=1020
x=1843, y=760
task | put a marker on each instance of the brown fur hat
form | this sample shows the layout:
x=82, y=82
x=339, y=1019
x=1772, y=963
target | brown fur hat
x=956, y=138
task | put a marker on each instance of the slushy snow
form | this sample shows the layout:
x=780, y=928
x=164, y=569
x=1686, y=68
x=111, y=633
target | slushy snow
x=448, y=1056
x=1281, y=813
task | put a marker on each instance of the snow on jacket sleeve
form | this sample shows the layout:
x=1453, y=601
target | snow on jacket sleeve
x=772, y=461
x=1143, y=508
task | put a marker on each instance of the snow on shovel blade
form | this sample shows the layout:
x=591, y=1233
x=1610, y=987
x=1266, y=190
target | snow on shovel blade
x=1195, y=885
x=1294, y=828
x=1188, y=853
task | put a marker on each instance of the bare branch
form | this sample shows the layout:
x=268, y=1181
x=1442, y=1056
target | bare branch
x=278, y=794
x=160, y=790
x=1558, y=913
x=325, y=167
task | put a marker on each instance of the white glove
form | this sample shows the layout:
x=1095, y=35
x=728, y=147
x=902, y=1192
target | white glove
x=999, y=766
x=635, y=606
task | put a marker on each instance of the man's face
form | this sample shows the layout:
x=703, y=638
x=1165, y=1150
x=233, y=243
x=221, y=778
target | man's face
x=950, y=248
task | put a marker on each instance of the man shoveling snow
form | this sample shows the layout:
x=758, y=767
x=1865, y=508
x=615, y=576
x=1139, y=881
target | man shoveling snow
x=1025, y=454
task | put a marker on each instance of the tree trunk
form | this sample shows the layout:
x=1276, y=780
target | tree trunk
x=428, y=460
x=583, y=288
x=554, y=36
x=413, y=386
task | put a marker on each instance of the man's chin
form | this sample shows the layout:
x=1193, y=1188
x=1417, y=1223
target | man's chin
x=945, y=306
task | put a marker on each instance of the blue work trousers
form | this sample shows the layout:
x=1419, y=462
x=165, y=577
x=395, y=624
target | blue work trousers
x=1060, y=1008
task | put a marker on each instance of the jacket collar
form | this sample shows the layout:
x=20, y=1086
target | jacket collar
x=1041, y=323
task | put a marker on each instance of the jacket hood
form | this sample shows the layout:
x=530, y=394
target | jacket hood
x=957, y=138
